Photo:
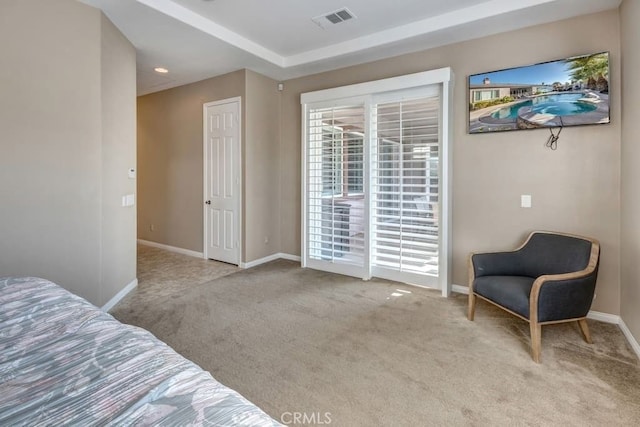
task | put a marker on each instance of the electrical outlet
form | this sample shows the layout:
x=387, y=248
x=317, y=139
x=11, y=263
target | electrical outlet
x=266, y=240
x=152, y=227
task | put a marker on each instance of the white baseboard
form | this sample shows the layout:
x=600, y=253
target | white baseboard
x=603, y=317
x=290, y=257
x=594, y=315
x=259, y=261
x=269, y=258
x=632, y=340
x=617, y=320
x=171, y=248
x=123, y=293
x=459, y=289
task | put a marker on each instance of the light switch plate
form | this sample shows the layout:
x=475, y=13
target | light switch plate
x=129, y=200
x=525, y=201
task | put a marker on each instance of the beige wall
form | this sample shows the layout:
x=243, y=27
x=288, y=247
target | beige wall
x=52, y=138
x=118, y=76
x=171, y=164
x=261, y=167
x=630, y=247
x=170, y=161
x=574, y=189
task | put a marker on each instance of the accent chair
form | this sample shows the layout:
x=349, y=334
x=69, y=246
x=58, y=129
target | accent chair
x=551, y=278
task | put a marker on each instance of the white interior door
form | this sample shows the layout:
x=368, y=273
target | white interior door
x=222, y=198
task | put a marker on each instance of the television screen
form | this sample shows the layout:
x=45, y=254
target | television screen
x=567, y=92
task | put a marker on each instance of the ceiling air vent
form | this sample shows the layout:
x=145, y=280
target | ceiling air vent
x=335, y=17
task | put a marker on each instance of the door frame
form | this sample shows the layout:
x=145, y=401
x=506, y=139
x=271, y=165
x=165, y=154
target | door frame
x=444, y=78
x=238, y=171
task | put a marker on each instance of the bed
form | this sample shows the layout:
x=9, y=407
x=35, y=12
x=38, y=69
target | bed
x=63, y=361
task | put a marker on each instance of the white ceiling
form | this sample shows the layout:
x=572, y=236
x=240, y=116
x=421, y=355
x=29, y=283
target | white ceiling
x=198, y=39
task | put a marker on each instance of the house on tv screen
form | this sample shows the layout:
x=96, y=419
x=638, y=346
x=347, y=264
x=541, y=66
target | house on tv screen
x=488, y=91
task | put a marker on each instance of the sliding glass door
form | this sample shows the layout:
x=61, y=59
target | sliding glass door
x=335, y=195
x=405, y=187
x=375, y=192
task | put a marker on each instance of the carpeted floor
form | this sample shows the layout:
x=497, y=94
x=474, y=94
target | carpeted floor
x=163, y=274
x=380, y=353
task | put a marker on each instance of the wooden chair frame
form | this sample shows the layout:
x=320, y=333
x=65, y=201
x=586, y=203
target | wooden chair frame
x=534, y=325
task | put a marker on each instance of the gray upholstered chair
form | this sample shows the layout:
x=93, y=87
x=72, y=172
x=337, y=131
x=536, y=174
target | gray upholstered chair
x=551, y=278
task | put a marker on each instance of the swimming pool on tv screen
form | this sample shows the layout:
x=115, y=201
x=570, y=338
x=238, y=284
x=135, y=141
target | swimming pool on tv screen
x=558, y=105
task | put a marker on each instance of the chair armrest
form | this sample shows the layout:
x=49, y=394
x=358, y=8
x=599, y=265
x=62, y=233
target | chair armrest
x=564, y=296
x=492, y=264
x=495, y=264
x=503, y=263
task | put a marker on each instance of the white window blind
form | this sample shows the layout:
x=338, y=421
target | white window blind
x=405, y=187
x=335, y=184
x=376, y=179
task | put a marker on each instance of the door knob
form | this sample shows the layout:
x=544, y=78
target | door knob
x=208, y=202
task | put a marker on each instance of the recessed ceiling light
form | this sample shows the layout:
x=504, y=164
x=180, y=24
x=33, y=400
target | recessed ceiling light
x=161, y=70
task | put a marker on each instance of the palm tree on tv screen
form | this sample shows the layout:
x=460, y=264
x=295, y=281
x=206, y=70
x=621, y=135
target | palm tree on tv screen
x=593, y=69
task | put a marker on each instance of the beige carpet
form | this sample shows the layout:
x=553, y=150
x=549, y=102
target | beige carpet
x=382, y=353
x=163, y=274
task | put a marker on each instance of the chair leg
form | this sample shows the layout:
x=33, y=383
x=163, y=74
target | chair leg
x=536, y=341
x=585, y=330
x=472, y=306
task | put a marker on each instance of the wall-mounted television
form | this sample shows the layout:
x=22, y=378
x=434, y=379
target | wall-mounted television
x=567, y=92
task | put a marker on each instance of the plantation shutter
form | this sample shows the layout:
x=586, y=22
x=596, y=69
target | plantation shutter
x=336, y=186
x=376, y=169
x=405, y=189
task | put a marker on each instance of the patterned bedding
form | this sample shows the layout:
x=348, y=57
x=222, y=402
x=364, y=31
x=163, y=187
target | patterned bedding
x=63, y=361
